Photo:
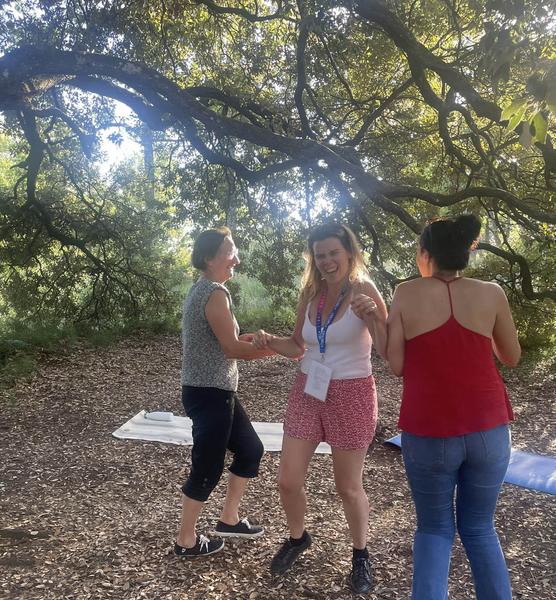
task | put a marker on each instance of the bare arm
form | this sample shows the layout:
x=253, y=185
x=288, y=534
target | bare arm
x=369, y=306
x=504, y=335
x=221, y=321
x=395, y=349
x=291, y=346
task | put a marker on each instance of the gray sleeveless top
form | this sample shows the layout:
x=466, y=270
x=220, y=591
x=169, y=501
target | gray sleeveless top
x=204, y=363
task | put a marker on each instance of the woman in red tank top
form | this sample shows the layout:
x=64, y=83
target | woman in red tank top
x=455, y=411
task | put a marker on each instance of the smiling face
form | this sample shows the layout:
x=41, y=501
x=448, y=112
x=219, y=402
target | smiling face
x=331, y=259
x=221, y=267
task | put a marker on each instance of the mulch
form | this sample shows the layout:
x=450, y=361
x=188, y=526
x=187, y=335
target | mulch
x=84, y=515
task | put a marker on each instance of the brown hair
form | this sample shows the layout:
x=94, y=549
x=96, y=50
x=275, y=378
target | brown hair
x=206, y=246
x=312, y=279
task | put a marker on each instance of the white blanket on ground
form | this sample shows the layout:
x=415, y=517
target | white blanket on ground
x=171, y=429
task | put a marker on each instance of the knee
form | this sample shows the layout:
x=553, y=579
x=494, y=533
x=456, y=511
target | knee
x=199, y=486
x=468, y=530
x=251, y=452
x=351, y=493
x=436, y=525
x=247, y=461
x=435, y=516
x=289, y=486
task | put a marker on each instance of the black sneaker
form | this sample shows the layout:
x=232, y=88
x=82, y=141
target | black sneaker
x=203, y=547
x=288, y=554
x=243, y=529
x=361, y=578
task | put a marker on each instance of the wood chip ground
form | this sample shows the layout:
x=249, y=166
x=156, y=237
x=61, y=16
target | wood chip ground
x=86, y=516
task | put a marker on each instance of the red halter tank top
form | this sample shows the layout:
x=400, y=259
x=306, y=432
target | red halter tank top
x=451, y=385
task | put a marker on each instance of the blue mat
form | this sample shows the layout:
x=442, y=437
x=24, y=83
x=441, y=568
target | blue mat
x=528, y=470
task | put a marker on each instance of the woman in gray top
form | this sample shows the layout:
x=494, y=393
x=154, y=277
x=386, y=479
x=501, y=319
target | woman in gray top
x=211, y=346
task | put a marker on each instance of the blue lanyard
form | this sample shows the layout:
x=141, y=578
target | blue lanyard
x=321, y=331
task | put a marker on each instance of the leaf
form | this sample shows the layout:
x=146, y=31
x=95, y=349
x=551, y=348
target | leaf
x=514, y=108
x=516, y=119
x=540, y=125
x=514, y=122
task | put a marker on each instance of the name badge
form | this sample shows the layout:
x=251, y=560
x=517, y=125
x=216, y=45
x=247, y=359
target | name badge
x=318, y=380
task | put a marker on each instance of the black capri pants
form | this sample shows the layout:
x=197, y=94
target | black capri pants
x=220, y=423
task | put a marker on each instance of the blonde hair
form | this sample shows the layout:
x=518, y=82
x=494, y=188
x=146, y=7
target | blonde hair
x=312, y=279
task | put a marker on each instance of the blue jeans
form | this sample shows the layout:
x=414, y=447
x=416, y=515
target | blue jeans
x=473, y=466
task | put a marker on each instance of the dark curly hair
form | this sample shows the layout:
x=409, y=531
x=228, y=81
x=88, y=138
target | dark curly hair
x=449, y=241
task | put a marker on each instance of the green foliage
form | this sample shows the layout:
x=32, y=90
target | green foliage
x=538, y=364
x=535, y=322
x=16, y=366
x=44, y=280
x=135, y=227
x=274, y=257
x=20, y=344
x=257, y=309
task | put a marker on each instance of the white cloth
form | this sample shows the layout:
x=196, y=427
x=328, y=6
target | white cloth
x=177, y=430
x=348, y=346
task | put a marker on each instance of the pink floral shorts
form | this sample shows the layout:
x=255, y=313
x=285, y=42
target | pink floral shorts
x=346, y=420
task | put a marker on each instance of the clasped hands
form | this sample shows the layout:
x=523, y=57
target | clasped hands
x=261, y=339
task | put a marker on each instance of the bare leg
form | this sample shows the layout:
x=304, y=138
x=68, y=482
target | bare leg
x=187, y=536
x=234, y=493
x=348, y=475
x=294, y=462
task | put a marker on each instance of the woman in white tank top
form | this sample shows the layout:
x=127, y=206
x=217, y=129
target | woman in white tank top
x=333, y=398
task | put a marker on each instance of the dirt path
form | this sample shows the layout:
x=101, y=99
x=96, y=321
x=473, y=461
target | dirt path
x=84, y=515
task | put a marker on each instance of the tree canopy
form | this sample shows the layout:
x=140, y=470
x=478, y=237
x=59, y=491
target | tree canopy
x=267, y=114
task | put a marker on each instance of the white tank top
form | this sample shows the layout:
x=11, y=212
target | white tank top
x=348, y=346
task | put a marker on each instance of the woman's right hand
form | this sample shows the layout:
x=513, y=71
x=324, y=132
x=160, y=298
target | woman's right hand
x=364, y=306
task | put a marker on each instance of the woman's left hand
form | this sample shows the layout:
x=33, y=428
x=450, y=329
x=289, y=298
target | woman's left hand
x=246, y=337
x=364, y=306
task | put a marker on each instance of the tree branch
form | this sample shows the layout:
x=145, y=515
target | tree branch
x=84, y=138
x=395, y=191
x=247, y=108
x=102, y=87
x=377, y=11
x=241, y=12
x=304, y=29
x=524, y=272
x=377, y=113
x=182, y=109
